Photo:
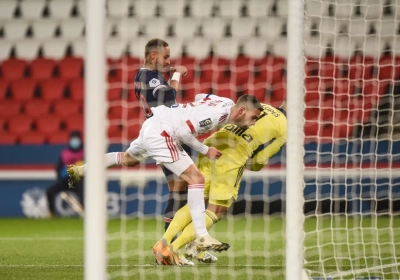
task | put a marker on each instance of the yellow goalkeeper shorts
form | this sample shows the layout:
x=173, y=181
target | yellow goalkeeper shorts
x=222, y=179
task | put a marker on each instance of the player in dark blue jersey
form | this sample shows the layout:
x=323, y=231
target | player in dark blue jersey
x=153, y=90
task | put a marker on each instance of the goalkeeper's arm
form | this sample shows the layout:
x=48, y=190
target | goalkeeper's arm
x=257, y=162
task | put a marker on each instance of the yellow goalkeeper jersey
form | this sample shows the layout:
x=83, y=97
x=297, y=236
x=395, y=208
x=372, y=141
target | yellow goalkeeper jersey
x=260, y=142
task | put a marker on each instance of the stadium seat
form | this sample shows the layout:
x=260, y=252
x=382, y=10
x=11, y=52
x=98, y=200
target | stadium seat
x=315, y=47
x=32, y=9
x=15, y=29
x=229, y=8
x=282, y=9
x=328, y=27
x=72, y=28
x=7, y=138
x=70, y=67
x=201, y=9
x=59, y=137
x=344, y=47
x=176, y=47
x=155, y=28
x=317, y=8
x=255, y=48
x=145, y=8
x=360, y=67
x=20, y=124
x=214, y=28
x=27, y=49
x=23, y=89
x=13, y=68
x=7, y=10
x=4, y=88
x=371, y=9
x=279, y=94
x=53, y=89
x=32, y=137
x=114, y=92
x=74, y=123
x=243, y=28
x=270, y=68
x=191, y=65
x=114, y=133
x=76, y=89
x=9, y=108
x=55, y=49
x=42, y=68
x=373, y=46
x=115, y=48
x=388, y=68
x=373, y=88
x=126, y=28
x=344, y=9
x=136, y=47
x=358, y=29
x=79, y=47
x=186, y=28
x=61, y=9
x=126, y=67
x=133, y=131
x=67, y=108
x=199, y=48
x=118, y=8
x=5, y=49
x=260, y=8
x=44, y=29
x=226, y=48
x=387, y=28
x=280, y=47
x=48, y=124
x=36, y=108
x=172, y=8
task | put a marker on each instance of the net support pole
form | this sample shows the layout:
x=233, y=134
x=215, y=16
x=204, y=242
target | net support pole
x=95, y=143
x=295, y=142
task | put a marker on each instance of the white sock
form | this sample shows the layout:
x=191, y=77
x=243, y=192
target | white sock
x=196, y=204
x=111, y=160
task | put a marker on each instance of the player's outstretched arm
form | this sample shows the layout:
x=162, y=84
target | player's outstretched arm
x=261, y=159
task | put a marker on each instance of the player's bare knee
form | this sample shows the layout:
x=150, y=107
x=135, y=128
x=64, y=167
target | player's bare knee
x=177, y=185
x=192, y=176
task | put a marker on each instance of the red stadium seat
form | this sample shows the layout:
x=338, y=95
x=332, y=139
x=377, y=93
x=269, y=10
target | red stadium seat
x=388, y=68
x=7, y=138
x=114, y=133
x=42, y=68
x=53, y=89
x=13, y=69
x=48, y=124
x=279, y=94
x=20, y=124
x=133, y=131
x=9, y=108
x=74, y=123
x=33, y=137
x=125, y=67
x=360, y=67
x=23, y=89
x=66, y=108
x=118, y=112
x=76, y=89
x=4, y=86
x=271, y=68
x=70, y=67
x=60, y=137
x=211, y=68
x=36, y=108
x=192, y=67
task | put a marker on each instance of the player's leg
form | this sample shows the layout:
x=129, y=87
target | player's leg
x=52, y=191
x=177, y=197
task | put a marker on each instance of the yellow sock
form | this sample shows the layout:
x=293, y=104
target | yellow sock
x=181, y=219
x=189, y=233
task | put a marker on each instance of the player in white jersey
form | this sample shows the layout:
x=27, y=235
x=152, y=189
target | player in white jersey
x=159, y=138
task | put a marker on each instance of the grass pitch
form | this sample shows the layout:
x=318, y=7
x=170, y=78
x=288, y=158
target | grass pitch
x=53, y=249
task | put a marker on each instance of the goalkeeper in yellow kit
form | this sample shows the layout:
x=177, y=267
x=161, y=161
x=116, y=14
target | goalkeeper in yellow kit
x=241, y=149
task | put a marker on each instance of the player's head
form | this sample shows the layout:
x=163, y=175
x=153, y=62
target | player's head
x=157, y=54
x=75, y=140
x=246, y=111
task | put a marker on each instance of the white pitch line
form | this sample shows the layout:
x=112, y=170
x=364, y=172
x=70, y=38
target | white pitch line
x=363, y=270
x=40, y=238
x=130, y=265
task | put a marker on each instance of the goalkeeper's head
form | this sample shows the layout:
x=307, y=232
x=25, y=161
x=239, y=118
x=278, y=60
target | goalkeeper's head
x=156, y=55
x=246, y=111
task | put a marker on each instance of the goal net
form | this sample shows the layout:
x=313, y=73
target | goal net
x=351, y=110
x=233, y=47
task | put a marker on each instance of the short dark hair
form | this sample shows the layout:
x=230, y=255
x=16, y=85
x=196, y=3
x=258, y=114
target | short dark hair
x=250, y=101
x=154, y=45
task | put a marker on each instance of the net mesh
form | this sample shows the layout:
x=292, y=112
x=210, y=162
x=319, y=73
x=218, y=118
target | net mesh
x=236, y=47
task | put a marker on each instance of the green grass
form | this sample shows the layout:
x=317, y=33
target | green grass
x=53, y=249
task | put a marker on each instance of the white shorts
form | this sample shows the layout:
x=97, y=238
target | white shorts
x=155, y=142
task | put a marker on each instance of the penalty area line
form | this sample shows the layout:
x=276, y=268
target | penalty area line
x=125, y=265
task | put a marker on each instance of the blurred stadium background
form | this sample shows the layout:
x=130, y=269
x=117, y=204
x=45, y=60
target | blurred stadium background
x=230, y=47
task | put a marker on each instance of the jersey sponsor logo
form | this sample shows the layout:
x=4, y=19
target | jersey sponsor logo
x=205, y=122
x=239, y=132
x=154, y=82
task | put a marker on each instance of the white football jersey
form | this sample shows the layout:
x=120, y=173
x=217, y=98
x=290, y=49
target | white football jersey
x=201, y=116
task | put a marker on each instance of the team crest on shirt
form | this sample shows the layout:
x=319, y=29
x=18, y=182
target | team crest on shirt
x=154, y=82
x=205, y=122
